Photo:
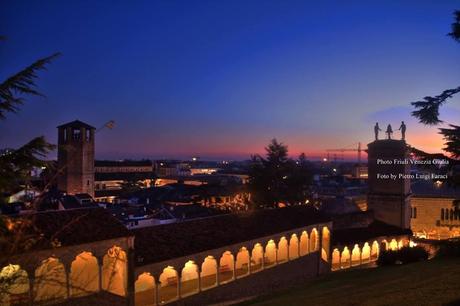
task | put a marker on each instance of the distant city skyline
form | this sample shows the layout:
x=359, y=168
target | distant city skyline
x=219, y=80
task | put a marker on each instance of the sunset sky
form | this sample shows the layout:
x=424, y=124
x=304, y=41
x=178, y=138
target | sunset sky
x=219, y=79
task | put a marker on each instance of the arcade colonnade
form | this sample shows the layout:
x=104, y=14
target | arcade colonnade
x=172, y=280
x=347, y=256
x=54, y=279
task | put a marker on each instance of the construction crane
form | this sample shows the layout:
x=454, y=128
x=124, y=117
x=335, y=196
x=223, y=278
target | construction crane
x=342, y=150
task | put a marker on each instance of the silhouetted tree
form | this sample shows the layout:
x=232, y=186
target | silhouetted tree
x=427, y=112
x=278, y=179
x=15, y=167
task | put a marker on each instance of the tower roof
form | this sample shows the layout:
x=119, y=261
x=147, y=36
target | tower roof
x=76, y=124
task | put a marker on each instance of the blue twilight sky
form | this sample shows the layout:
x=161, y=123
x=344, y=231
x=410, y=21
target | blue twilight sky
x=219, y=79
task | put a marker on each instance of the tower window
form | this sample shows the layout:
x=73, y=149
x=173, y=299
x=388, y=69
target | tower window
x=442, y=213
x=65, y=135
x=76, y=134
x=88, y=135
x=87, y=183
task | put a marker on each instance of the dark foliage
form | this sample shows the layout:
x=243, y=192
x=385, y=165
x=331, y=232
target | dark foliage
x=427, y=110
x=277, y=178
x=404, y=255
x=455, y=34
x=22, y=83
x=449, y=248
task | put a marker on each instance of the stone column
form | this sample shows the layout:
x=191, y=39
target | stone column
x=100, y=264
x=249, y=263
x=130, y=273
x=320, y=248
x=67, y=269
x=31, y=288
x=179, y=286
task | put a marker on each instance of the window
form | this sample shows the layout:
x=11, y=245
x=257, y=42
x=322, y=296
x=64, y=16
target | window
x=76, y=134
x=442, y=213
x=88, y=135
x=415, y=213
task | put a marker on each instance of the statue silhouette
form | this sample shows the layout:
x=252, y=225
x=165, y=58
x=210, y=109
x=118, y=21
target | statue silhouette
x=376, y=130
x=389, y=131
x=403, y=130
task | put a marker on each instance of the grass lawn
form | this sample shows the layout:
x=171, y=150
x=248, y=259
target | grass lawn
x=434, y=282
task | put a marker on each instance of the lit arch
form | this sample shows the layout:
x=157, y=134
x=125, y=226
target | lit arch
x=366, y=254
x=84, y=275
x=257, y=258
x=375, y=251
x=189, y=279
x=356, y=256
x=270, y=254
x=226, y=266
x=114, y=271
x=304, y=243
x=15, y=285
x=345, y=260
x=50, y=281
x=208, y=273
x=314, y=240
x=400, y=244
x=167, y=290
x=335, y=260
x=242, y=263
x=393, y=245
x=325, y=244
x=282, y=253
x=144, y=289
x=293, y=247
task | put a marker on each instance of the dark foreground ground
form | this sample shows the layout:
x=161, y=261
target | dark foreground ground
x=434, y=282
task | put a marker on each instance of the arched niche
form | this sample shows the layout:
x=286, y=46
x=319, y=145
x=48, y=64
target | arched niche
x=282, y=250
x=270, y=254
x=314, y=240
x=400, y=244
x=335, y=260
x=293, y=247
x=114, y=271
x=226, y=266
x=393, y=245
x=189, y=279
x=325, y=243
x=366, y=253
x=384, y=245
x=304, y=243
x=84, y=275
x=257, y=257
x=208, y=273
x=242, y=263
x=375, y=251
x=50, y=282
x=356, y=256
x=167, y=291
x=345, y=259
x=144, y=290
x=14, y=286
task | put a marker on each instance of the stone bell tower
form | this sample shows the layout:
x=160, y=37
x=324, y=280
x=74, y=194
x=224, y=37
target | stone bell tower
x=76, y=158
x=389, y=185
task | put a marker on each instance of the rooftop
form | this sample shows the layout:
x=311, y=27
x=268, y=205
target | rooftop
x=153, y=244
x=72, y=227
x=76, y=124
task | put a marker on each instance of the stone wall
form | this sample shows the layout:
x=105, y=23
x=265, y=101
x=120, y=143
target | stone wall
x=275, y=278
